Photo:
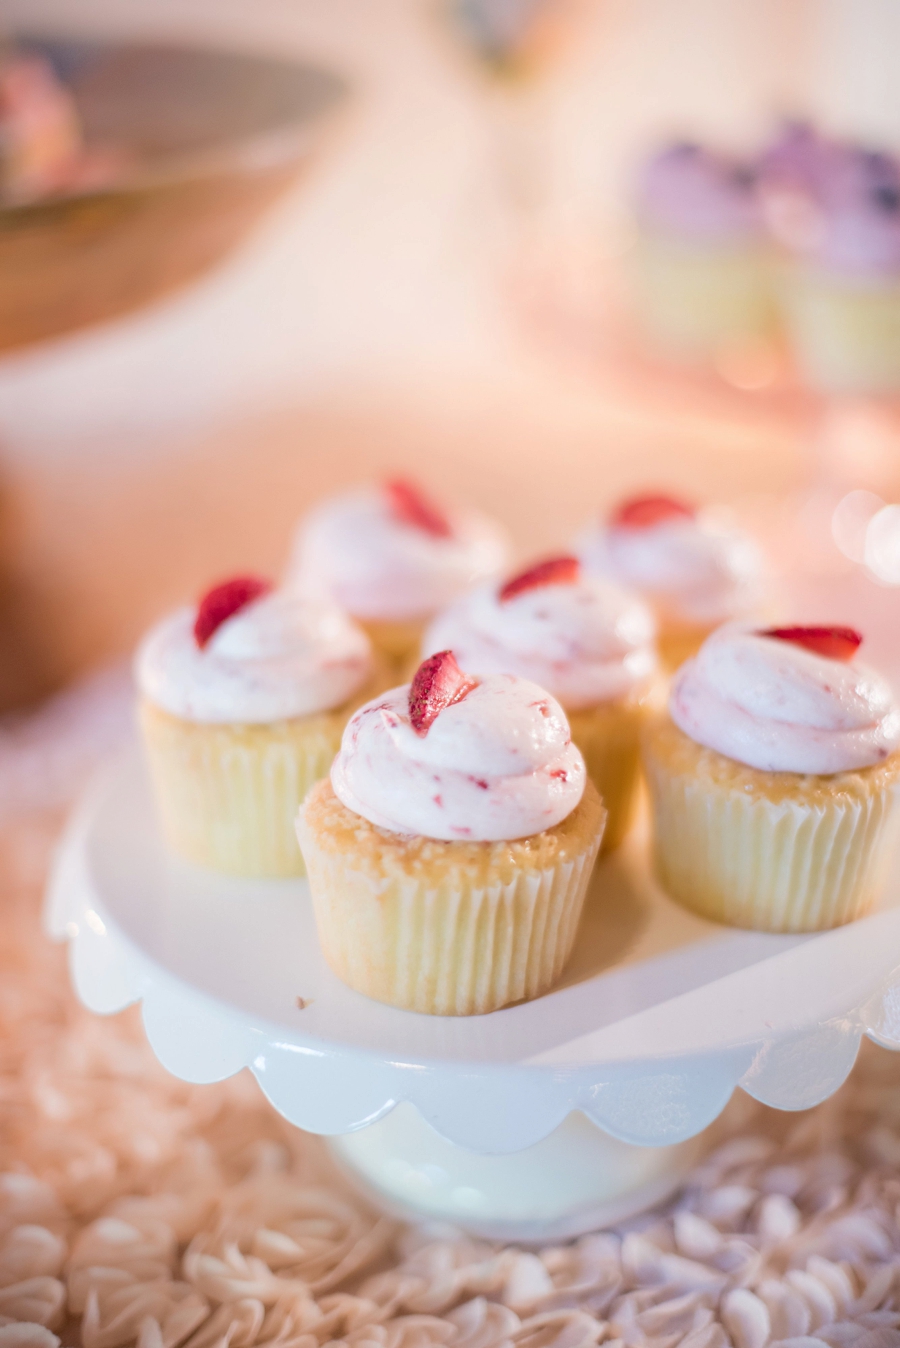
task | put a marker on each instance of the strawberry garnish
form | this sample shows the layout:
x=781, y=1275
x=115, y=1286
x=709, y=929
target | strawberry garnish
x=554, y=571
x=223, y=601
x=643, y=512
x=438, y=683
x=410, y=506
x=836, y=643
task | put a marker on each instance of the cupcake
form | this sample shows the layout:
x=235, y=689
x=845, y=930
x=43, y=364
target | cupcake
x=702, y=278
x=40, y=136
x=450, y=851
x=842, y=293
x=584, y=639
x=693, y=569
x=392, y=558
x=792, y=173
x=774, y=780
x=243, y=700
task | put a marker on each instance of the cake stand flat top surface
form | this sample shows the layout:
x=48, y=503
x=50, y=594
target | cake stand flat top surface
x=658, y=1016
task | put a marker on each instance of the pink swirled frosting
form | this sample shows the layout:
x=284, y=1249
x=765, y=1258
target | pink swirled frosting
x=280, y=656
x=378, y=566
x=694, y=569
x=776, y=706
x=497, y=765
x=585, y=642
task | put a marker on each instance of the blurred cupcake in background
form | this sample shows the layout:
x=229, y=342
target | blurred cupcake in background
x=792, y=174
x=584, y=639
x=842, y=291
x=40, y=134
x=43, y=151
x=702, y=277
x=392, y=557
x=243, y=702
x=694, y=569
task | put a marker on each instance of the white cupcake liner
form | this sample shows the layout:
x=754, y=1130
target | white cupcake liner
x=781, y=865
x=228, y=795
x=436, y=940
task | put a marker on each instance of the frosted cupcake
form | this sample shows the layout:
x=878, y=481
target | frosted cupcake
x=584, y=639
x=393, y=558
x=703, y=282
x=843, y=292
x=792, y=175
x=450, y=851
x=243, y=700
x=775, y=780
x=695, y=571
x=40, y=136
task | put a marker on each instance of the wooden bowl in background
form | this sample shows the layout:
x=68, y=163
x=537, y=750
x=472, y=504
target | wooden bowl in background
x=207, y=140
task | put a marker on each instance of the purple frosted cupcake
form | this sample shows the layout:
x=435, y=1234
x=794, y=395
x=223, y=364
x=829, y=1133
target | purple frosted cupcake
x=703, y=282
x=842, y=293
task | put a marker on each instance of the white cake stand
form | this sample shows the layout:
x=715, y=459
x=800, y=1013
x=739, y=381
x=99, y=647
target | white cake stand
x=535, y=1122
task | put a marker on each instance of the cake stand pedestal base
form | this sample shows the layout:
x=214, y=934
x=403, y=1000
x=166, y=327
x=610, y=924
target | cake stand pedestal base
x=575, y=1180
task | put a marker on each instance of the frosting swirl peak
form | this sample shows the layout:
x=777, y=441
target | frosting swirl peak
x=693, y=568
x=496, y=765
x=378, y=558
x=279, y=656
x=780, y=707
x=586, y=641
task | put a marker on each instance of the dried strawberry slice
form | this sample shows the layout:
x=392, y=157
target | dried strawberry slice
x=837, y=643
x=438, y=682
x=223, y=601
x=410, y=505
x=643, y=512
x=554, y=571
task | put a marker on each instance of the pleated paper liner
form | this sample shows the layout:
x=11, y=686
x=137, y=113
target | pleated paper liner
x=774, y=851
x=446, y=928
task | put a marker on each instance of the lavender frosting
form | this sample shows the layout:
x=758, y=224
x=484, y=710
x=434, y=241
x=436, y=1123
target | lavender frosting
x=798, y=159
x=859, y=233
x=700, y=194
x=835, y=203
